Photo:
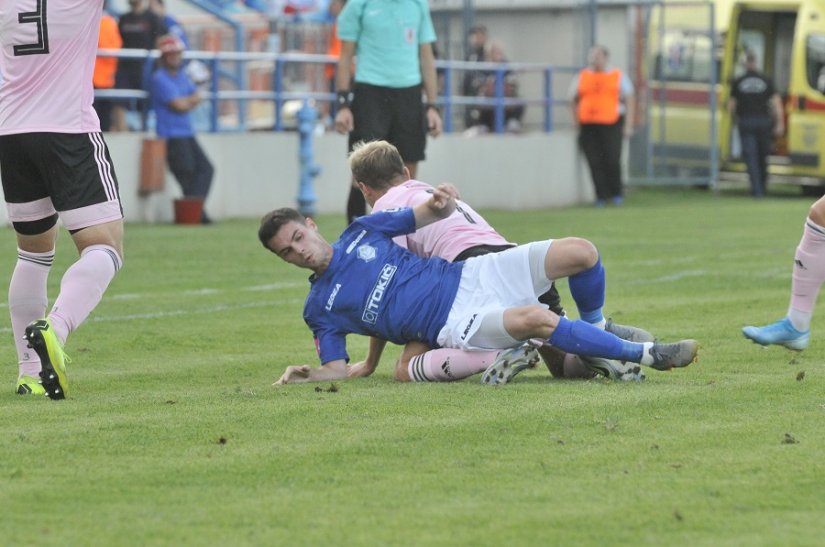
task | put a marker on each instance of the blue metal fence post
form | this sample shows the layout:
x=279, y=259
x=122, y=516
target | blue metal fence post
x=213, y=87
x=278, y=88
x=448, y=101
x=548, y=100
x=499, y=107
x=307, y=118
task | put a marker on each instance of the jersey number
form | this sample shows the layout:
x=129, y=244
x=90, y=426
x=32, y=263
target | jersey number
x=38, y=17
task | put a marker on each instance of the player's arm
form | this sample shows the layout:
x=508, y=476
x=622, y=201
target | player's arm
x=300, y=374
x=368, y=365
x=440, y=205
x=343, y=79
x=430, y=81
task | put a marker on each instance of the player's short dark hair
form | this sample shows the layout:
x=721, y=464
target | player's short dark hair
x=377, y=163
x=274, y=220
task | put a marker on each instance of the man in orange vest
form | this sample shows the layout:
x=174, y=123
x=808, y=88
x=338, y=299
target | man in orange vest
x=603, y=112
x=103, y=76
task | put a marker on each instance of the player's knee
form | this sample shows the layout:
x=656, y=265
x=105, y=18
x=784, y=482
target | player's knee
x=538, y=320
x=585, y=253
x=817, y=212
x=575, y=253
x=35, y=227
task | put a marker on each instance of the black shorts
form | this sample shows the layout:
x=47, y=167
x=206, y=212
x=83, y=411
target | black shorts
x=480, y=250
x=64, y=172
x=395, y=115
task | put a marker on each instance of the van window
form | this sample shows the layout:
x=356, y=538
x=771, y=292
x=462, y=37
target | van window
x=815, y=61
x=685, y=57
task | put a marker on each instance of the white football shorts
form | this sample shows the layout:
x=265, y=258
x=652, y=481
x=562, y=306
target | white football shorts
x=490, y=284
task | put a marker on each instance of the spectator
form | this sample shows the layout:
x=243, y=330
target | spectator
x=474, y=79
x=758, y=111
x=174, y=95
x=512, y=114
x=393, y=43
x=197, y=70
x=56, y=166
x=170, y=23
x=603, y=110
x=139, y=28
x=105, y=68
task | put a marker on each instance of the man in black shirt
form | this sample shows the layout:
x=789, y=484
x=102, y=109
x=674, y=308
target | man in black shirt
x=139, y=28
x=758, y=110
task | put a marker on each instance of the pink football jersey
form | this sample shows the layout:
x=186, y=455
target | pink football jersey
x=47, y=62
x=446, y=238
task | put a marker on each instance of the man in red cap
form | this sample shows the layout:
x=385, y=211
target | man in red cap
x=174, y=95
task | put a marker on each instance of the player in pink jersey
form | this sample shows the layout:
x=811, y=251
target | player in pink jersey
x=54, y=164
x=463, y=234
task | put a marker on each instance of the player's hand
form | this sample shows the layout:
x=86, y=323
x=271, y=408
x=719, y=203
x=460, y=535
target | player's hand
x=433, y=122
x=296, y=374
x=442, y=201
x=343, y=120
x=359, y=370
x=449, y=186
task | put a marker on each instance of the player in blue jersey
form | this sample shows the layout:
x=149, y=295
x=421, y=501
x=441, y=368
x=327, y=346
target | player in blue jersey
x=366, y=284
x=380, y=173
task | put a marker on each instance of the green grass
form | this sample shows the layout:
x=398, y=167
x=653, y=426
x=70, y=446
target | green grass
x=173, y=435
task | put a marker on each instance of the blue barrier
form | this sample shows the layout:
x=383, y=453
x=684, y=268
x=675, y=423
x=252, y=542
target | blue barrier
x=307, y=117
x=279, y=95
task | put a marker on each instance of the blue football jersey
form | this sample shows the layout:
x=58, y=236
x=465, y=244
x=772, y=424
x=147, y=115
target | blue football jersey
x=377, y=288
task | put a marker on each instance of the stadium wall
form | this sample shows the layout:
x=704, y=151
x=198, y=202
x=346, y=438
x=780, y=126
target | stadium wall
x=257, y=172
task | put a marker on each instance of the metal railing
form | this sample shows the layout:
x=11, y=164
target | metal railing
x=223, y=87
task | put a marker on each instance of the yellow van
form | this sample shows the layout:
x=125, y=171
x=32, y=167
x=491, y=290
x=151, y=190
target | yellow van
x=690, y=71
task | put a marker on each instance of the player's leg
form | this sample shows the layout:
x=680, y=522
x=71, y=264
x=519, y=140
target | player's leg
x=372, y=120
x=28, y=296
x=793, y=330
x=582, y=338
x=83, y=187
x=419, y=363
x=517, y=276
x=578, y=260
x=408, y=129
x=34, y=220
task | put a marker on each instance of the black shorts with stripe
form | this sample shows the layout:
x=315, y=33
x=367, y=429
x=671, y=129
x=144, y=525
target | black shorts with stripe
x=73, y=170
x=395, y=115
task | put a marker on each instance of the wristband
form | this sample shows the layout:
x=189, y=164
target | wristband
x=343, y=99
x=434, y=106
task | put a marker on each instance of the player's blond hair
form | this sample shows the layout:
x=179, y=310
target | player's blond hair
x=376, y=164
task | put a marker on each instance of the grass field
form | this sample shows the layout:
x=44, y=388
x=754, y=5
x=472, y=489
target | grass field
x=173, y=434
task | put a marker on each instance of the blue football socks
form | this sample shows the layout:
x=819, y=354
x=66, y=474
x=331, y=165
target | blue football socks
x=582, y=338
x=587, y=289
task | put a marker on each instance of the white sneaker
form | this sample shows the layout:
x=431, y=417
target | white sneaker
x=614, y=369
x=509, y=363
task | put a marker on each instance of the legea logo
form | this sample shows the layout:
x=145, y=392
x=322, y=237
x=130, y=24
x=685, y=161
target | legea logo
x=332, y=295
